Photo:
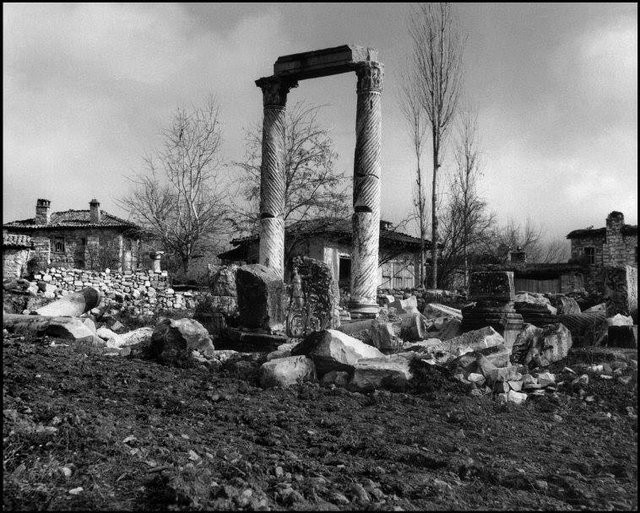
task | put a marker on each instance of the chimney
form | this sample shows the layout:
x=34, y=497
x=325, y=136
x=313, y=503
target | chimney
x=94, y=206
x=615, y=221
x=518, y=255
x=43, y=214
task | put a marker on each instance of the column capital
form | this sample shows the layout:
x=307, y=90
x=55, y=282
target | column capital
x=369, y=77
x=275, y=90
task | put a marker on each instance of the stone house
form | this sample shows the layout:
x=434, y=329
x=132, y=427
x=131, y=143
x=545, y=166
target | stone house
x=614, y=245
x=16, y=252
x=329, y=240
x=80, y=239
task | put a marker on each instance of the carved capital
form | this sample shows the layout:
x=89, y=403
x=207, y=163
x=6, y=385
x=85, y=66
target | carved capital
x=369, y=77
x=275, y=90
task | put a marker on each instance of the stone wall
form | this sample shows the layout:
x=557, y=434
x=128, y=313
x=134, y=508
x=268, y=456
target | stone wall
x=91, y=248
x=14, y=262
x=146, y=290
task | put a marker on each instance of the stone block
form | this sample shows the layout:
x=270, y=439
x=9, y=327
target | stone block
x=491, y=285
x=286, y=371
x=383, y=372
x=173, y=340
x=223, y=281
x=261, y=298
x=383, y=335
x=476, y=340
x=334, y=350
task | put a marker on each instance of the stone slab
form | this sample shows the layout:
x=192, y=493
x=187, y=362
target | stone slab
x=322, y=63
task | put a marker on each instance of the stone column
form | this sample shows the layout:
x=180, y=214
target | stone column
x=366, y=191
x=272, y=172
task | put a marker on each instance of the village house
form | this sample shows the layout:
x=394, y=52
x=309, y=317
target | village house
x=80, y=239
x=592, y=250
x=16, y=252
x=329, y=240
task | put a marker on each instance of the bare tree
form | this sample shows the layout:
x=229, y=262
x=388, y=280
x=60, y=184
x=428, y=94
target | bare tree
x=437, y=59
x=178, y=199
x=468, y=209
x=414, y=115
x=313, y=187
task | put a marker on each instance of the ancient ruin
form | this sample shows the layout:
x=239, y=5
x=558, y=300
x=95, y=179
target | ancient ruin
x=288, y=70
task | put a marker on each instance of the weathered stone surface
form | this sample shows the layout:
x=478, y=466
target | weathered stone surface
x=74, y=304
x=525, y=339
x=431, y=345
x=66, y=328
x=408, y=305
x=526, y=302
x=620, y=320
x=586, y=328
x=138, y=336
x=546, y=378
x=173, y=340
x=283, y=351
x=564, y=304
x=476, y=340
x=414, y=327
x=112, y=338
x=320, y=291
x=223, y=281
x=337, y=378
x=621, y=290
x=287, y=371
x=334, y=350
x=550, y=346
x=437, y=310
x=261, y=298
x=383, y=372
x=383, y=336
x=491, y=285
x=601, y=307
x=452, y=328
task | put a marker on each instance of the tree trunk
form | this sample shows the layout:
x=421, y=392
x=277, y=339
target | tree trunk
x=434, y=219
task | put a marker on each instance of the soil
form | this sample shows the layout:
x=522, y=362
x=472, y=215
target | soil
x=83, y=430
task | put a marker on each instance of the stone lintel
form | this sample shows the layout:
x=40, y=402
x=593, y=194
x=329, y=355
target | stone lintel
x=322, y=63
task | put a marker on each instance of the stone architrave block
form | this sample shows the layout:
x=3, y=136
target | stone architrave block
x=261, y=298
x=492, y=286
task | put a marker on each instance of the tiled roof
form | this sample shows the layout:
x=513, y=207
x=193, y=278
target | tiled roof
x=16, y=241
x=73, y=219
x=627, y=229
x=337, y=229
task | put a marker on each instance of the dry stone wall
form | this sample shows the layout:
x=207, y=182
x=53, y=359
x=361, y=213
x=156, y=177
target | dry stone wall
x=146, y=290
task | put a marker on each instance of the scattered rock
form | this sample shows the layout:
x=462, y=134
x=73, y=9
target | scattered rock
x=287, y=371
x=173, y=340
x=334, y=350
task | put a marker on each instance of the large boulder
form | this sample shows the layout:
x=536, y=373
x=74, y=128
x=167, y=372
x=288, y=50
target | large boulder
x=261, y=298
x=287, y=371
x=552, y=345
x=334, y=350
x=173, y=341
x=383, y=372
x=74, y=304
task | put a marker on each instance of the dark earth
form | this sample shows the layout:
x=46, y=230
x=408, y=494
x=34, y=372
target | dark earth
x=83, y=430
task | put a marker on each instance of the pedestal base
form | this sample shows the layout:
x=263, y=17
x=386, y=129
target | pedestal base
x=359, y=310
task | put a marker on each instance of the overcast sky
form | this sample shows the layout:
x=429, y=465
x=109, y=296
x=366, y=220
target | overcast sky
x=89, y=87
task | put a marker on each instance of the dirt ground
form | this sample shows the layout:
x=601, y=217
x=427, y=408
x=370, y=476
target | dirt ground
x=89, y=431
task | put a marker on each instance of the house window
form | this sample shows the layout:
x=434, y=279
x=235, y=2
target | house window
x=58, y=244
x=590, y=254
x=398, y=282
x=386, y=281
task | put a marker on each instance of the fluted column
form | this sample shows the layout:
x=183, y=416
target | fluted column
x=366, y=190
x=272, y=172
